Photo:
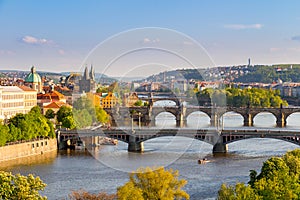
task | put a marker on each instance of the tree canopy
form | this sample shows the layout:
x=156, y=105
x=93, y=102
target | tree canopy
x=236, y=97
x=26, y=127
x=278, y=179
x=153, y=183
x=17, y=186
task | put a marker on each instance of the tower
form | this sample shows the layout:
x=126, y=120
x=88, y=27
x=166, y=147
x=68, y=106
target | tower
x=92, y=73
x=33, y=80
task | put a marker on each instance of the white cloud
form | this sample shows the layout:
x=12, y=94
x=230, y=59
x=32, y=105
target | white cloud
x=33, y=40
x=148, y=40
x=243, y=26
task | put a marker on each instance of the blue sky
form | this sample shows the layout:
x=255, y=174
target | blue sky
x=58, y=35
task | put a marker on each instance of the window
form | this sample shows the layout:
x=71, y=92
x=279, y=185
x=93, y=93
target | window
x=32, y=145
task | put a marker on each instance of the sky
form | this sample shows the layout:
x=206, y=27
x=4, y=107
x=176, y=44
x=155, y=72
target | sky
x=60, y=36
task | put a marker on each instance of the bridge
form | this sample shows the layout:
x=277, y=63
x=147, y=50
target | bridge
x=146, y=114
x=218, y=138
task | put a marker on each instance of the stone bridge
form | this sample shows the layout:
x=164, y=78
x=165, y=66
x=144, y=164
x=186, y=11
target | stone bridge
x=146, y=115
x=219, y=139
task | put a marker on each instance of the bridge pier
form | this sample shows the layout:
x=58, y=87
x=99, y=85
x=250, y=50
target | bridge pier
x=220, y=147
x=134, y=146
x=281, y=120
x=214, y=121
x=248, y=120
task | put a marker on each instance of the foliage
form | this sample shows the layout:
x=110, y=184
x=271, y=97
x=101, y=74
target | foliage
x=84, y=195
x=26, y=127
x=269, y=74
x=4, y=134
x=139, y=103
x=50, y=114
x=278, y=179
x=84, y=114
x=238, y=192
x=236, y=97
x=156, y=183
x=63, y=112
x=20, y=187
x=101, y=115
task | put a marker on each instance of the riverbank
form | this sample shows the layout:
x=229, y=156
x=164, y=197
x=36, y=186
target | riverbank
x=27, y=149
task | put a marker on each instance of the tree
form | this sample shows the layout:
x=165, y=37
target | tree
x=278, y=179
x=20, y=187
x=50, y=114
x=153, y=183
x=63, y=112
x=238, y=192
x=4, y=134
x=84, y=195
x=139, y=103
x=101, y=115
x=69, y=122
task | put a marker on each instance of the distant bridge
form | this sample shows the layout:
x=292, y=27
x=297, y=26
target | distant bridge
x=147, y=114
x=219, y=139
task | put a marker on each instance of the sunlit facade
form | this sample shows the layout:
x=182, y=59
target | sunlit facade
x=16, y=99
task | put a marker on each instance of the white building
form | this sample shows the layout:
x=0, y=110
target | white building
x=16, y=99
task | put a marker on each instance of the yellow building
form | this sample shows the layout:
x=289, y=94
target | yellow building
x=108, y=100
x=129, y=99
x=16, y=99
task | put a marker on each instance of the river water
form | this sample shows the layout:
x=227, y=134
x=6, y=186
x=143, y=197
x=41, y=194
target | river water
x=106, y=167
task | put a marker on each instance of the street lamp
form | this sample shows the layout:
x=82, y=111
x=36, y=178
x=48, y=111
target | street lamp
x=139, y=120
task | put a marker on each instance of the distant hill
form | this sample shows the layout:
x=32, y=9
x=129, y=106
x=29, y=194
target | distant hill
x=274, y=73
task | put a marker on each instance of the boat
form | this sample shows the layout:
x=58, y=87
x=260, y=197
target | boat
x=108, y=141
x=203, y=161
x=80, y=145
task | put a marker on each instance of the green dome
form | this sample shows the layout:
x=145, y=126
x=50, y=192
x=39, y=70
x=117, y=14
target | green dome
x=33, y=77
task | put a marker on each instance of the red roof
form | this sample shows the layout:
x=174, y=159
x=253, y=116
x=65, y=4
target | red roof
x=25, y=88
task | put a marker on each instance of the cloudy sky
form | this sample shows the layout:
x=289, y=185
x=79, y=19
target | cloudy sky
x=60, y=35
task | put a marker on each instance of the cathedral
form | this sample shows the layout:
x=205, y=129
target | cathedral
x=87, y=82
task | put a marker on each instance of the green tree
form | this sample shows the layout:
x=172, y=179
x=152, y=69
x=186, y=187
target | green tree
x=238, y=192
x=102, y=115
x=50, y=114
x=4, y=134
x=139, y=103
x=17, y=187
x=69, y=122
x=155, y=183
x=63, y=112
x=278, y=179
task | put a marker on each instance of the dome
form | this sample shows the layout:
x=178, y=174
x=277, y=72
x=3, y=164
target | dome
x=33, y=77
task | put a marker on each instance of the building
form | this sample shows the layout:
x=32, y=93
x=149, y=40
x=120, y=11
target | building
x=16, y=99
x=129, y=99
x=87, y=83
x=34, y=81
x=53, y=96
x=108, y=100
x=55, y=106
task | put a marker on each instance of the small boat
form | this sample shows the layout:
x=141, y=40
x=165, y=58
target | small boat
x=108, y=141
x=203, y=161
x=80, y=145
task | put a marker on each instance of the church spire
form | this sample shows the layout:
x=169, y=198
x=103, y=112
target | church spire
x=92, y=73
x=86, y=74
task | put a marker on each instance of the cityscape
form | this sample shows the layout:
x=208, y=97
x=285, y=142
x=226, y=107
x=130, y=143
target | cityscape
x=149, y=100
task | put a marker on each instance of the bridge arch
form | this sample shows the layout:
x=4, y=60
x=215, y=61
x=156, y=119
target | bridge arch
x=197, y=119
x=165, y=119
x=229, y=119
x=165, y=102
x=292, y=119
x=264, y=119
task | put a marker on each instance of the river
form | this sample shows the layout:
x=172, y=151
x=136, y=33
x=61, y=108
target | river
x=105, y=168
